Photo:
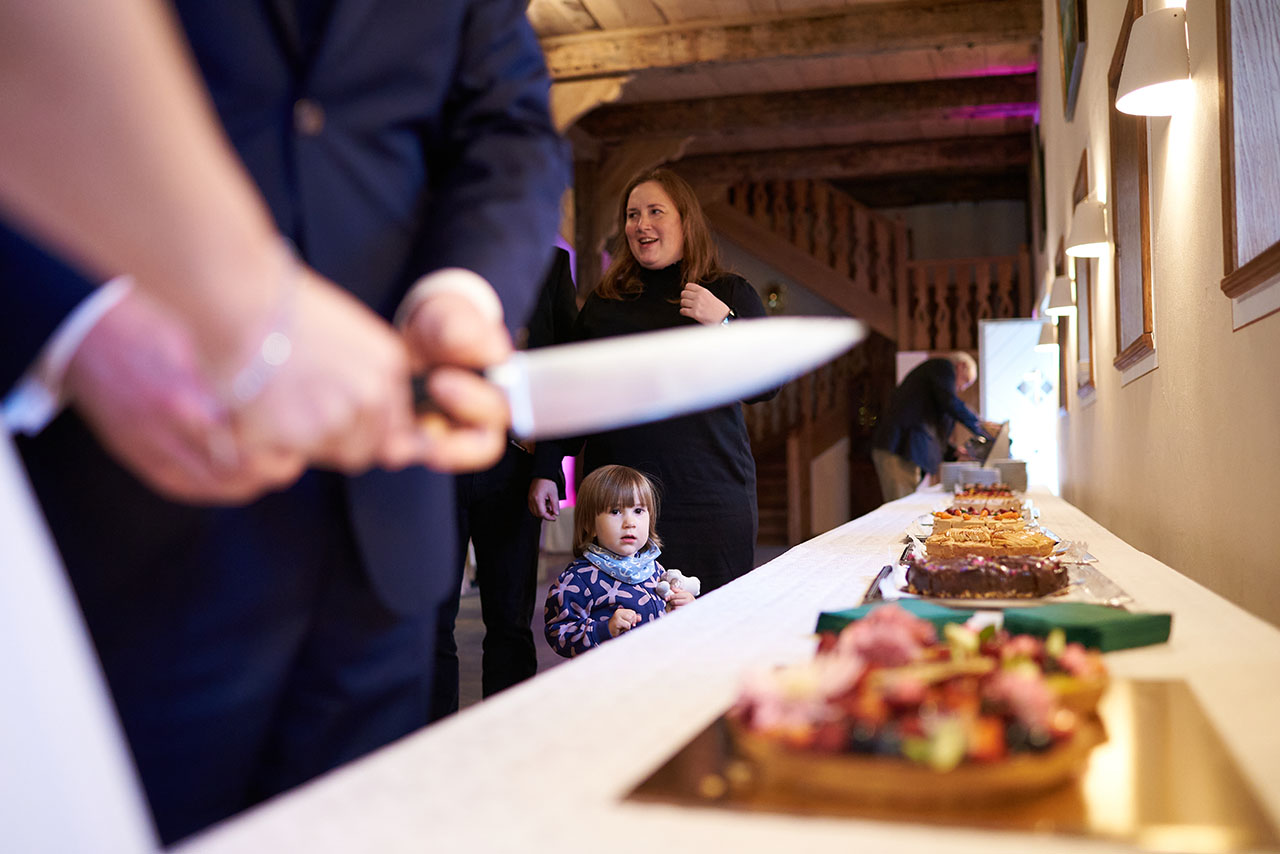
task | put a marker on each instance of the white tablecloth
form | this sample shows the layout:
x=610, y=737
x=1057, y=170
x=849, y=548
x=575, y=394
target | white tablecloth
x=546, y=766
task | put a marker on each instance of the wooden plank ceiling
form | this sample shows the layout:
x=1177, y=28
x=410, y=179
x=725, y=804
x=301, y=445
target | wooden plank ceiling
x=897, y=103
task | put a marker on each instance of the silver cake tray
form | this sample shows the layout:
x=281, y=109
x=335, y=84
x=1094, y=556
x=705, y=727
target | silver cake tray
x=1085, y=584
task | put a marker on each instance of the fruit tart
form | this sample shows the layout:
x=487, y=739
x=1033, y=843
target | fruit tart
x=888, y=712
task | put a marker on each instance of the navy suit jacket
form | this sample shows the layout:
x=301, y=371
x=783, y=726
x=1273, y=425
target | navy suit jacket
x=922, y=412
x=39, y=291
x=384, y=152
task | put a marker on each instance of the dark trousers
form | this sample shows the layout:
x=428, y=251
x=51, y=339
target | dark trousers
x=245, y=648
x=493, y=513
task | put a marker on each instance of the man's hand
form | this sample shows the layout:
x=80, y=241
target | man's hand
x=137, y=382
x=623, y=620
x=544, y=499
x=342, y=400
x=448, y=340
x=702, y=305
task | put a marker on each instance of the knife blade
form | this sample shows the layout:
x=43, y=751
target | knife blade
x=577, y=389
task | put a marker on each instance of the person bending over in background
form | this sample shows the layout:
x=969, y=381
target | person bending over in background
x=912, y=438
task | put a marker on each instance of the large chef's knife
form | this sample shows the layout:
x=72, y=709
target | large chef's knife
x=592, y=386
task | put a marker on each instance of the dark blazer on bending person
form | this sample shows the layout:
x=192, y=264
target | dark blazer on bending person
x=922, y=413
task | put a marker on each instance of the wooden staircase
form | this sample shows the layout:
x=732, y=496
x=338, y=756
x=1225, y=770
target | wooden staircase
x=771, y=498
x=856, y=260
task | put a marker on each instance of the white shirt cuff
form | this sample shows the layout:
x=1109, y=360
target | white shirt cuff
x=455, y=280
x=37, y=397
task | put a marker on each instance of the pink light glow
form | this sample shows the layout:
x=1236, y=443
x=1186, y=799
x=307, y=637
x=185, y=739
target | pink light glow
x=1001, y=70
x=995, y=111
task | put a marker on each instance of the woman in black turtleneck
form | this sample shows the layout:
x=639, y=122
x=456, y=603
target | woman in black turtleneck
x=665, y=273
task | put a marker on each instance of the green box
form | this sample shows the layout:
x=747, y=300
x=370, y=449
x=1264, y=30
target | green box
x=939, y=615
x=1094, y=626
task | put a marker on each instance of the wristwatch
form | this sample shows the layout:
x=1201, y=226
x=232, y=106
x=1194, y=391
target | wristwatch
x=728, y=317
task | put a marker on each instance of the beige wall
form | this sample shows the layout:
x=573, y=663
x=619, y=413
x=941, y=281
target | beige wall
x=829, y=487
x=1184, y=461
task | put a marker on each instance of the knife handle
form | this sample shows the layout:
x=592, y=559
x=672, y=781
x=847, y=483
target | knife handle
x=422, y=402
x=509, y=377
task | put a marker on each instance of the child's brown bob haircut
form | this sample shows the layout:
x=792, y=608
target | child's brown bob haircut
x=604, y=489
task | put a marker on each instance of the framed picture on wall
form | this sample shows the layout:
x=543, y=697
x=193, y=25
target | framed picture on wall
x=1082, y=272
x=1085, y=381
x=1072, y=33
x=1039, y=220
x=1130, y=206
x=1063, y=326
x=1248, y=31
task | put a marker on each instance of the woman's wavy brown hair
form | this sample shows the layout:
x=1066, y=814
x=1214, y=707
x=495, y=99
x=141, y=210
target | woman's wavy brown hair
x=701, y=257
x=604, y=489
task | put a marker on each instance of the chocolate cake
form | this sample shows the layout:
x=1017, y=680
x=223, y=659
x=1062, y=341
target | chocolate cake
x=986, y=578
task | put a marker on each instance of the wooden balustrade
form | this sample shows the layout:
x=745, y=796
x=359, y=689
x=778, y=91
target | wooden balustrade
x=804, y=400
x=931, y=305
x=867, y=251
x=942, y=301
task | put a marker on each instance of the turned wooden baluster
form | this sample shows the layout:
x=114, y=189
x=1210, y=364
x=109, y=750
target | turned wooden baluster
x=862, y=248
x=781, y=213
x=1004, y=273
x=965, y=336
x=920, y=339
x=941, y=290
x=760, y=203
x=841, y=242
x=821, y=220
x=801, y=219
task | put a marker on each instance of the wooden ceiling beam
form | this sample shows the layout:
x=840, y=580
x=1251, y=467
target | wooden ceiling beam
x=907, y=190
x=815, y=109
x=874, y=28
x=865, y=160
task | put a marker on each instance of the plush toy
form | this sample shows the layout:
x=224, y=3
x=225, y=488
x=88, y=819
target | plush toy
x=673, y=580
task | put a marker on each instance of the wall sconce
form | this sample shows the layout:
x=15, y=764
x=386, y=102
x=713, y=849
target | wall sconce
x=1061, y=300
x=1088, y=235
x=775, y=298
x=1156, y=77
x=1048, y=338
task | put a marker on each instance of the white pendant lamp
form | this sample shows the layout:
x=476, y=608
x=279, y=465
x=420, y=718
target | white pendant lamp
x=1061, y=300
x=1088, y=235
x=1156, y=77
x=1048, y=338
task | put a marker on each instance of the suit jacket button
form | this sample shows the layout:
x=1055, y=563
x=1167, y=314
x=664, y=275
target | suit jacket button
x=308, y=117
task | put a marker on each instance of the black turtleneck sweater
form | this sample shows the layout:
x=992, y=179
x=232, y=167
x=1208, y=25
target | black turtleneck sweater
x=701, y=463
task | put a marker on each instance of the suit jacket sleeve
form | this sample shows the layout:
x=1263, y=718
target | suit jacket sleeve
x=556, y=308
x=39, y=291
x=943, y=387
x=501, y=164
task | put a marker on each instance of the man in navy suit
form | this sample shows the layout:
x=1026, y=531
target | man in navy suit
x=407, y=151
x=914, y=435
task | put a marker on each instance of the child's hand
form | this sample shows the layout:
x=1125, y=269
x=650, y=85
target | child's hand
x=678, y=598
x=623, y=620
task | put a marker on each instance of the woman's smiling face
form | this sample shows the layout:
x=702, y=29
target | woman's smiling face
x=654, y=230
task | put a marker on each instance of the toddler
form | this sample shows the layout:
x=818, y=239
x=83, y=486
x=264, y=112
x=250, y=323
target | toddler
x=611, y=586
